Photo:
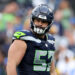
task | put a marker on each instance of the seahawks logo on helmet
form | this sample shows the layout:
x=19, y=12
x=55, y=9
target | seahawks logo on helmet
x=42, y=17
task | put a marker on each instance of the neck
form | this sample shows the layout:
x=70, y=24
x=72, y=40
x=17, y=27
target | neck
x=40, y=36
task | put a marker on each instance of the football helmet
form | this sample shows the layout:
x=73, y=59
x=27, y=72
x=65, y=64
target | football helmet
x=44, y=13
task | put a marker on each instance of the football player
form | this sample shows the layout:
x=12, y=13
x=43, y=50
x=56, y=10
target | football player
x=31, y=52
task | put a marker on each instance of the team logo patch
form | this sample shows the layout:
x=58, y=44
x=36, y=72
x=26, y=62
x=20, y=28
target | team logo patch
x=19, y=34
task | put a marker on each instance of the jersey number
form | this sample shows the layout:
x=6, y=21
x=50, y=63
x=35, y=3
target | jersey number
x=40, y=64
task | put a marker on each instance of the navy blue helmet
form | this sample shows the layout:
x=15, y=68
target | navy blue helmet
x=44, y=13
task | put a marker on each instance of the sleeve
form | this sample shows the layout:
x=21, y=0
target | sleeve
x=51, y=40
x=54, y=44
x=54, y=49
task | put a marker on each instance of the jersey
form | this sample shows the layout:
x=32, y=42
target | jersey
x=39, y=53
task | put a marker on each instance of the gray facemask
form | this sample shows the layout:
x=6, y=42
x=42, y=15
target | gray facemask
x=39, y=30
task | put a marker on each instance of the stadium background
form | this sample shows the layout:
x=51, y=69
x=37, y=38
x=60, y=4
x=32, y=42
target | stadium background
x=15, y=15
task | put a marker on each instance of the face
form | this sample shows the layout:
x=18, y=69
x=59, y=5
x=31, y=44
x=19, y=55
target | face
x=40, y=23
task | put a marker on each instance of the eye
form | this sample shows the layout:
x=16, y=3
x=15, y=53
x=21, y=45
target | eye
x=44, y=21
x=37, y=19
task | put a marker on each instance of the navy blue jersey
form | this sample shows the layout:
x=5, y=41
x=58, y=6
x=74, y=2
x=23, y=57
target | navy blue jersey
x=38, y=56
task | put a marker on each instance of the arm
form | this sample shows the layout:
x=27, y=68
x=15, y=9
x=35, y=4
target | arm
x=52, y=69
x=15, y=55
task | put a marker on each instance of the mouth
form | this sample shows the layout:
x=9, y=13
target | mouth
x=39, y=30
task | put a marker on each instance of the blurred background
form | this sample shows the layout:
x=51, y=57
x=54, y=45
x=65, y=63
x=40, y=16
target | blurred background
x=15, y=15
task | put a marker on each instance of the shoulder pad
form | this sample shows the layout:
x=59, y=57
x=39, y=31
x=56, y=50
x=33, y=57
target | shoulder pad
x=25, y=35
x=19, y=34
x=51, y=39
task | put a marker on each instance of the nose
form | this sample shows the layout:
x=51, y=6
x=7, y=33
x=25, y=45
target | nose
x=40, y=23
